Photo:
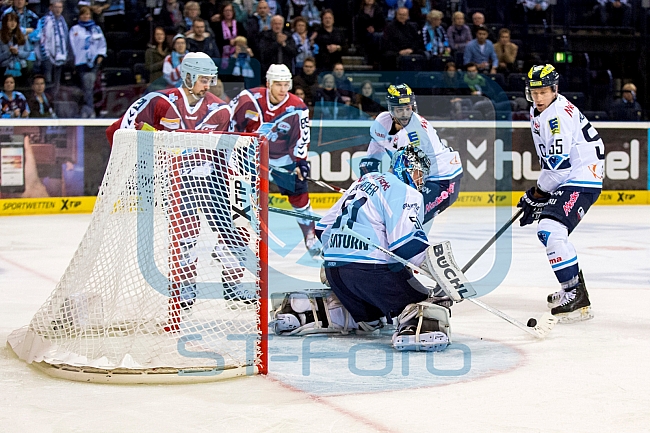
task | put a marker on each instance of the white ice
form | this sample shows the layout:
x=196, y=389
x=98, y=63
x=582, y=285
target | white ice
x=585, y=377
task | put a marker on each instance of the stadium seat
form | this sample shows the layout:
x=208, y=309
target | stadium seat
x=141, y=70
x=128, y=58
x=596, y=116
x=118, y=76
x=517, y=82
x=499, y=79
x=576, y=98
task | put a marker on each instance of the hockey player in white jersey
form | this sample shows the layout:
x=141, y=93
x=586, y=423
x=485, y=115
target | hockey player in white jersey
x=402, y=126
x=367, y=284
x=571, y=156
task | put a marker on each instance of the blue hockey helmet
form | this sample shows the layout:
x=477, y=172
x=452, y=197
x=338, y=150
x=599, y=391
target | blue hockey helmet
x=406, y=162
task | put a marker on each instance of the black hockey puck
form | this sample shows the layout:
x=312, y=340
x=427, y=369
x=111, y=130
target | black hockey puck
x=532, y=322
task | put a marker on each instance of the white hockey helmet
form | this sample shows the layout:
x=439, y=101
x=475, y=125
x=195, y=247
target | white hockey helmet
x=196, y=65
x=279, y=73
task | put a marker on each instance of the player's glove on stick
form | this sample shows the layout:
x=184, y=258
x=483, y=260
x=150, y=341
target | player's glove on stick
x=304, y=168
x=369, y=165
x=532, y=205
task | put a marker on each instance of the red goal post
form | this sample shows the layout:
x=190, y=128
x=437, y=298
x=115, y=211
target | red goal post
x=170, y=281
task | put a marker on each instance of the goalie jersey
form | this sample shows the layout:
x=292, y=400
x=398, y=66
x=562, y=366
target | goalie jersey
x=570, y=150
x=445, y=162
x=382, y=208
x=289, y=131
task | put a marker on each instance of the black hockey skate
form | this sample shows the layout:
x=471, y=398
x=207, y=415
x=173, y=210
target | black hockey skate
x=574, y=305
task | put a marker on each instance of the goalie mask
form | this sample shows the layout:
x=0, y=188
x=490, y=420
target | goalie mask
x=197, y=65
x=541, y=76
x=411, y=166
x=278, y=73
x=401, y=104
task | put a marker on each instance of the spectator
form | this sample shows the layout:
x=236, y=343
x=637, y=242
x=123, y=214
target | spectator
x=367, y=101
x=311, y=14
x=53, y=50
x=225, y=32
x=450, y=80
x=38, y=102
x=97, y=7
x=276, y=45
x=459, y=34
x=506, y=52
x=436, y=45
x=393, y=5
x=256, y=24
x=304, y=41
x=300, y=92
x=401, y=38
x=473, y=80
x=89, y=49
x=13, y=51
x=200, y=41
x=342, y=82
x=328, y=101
x=331, y=42
x=478, y=20
x=155, y=55
x=210, y=13
x=28, y=22
x=616, y=13
x=170, y=17
x=12, y=104
x=172, y=63
x=535, y=11
x=192, y=11
x=219, y=91
x=307, y=78
x=481, y=51
x=627, y=108
x=369, y=26
x=242, y=56
x=114, y=16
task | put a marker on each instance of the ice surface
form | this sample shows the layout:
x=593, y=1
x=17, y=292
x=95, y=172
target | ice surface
x=585, y=377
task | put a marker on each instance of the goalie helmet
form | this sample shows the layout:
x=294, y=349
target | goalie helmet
x=278, y=73
x=196, y=65
x=408, y=160
x=541, y=76
x=401, y=95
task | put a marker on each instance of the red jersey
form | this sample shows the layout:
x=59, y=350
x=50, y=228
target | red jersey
x=169, y=110
x=289, y=133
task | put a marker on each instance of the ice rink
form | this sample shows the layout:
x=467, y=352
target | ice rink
x=585, y=377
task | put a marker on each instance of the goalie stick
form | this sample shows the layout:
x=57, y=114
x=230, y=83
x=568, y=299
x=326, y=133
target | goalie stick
x=540, y=330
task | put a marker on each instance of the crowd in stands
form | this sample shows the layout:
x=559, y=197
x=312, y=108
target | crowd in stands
x=94, y=57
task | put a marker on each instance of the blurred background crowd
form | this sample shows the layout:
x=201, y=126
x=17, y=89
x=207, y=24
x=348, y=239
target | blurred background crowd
x=468, y=59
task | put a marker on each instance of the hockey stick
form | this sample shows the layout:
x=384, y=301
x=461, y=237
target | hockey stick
x=294, y=213
x=540, y=330
x=317, y=182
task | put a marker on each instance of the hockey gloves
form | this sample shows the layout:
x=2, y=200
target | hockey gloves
x=368, y=165
x=532, y=205
x=303, y=166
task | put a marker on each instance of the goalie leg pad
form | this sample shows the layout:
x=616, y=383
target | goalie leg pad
x=423, y=327
x=309, y=312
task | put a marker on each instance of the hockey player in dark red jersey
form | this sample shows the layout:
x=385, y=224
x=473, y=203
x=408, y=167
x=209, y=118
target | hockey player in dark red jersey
x=284, y=119
x=198, y=181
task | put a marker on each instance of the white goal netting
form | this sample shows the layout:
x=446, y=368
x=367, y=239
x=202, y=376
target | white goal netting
x=169, y=279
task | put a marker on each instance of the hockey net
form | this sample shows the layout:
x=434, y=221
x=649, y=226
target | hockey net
x=169, y=281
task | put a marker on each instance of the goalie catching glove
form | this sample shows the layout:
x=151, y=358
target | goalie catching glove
x=532, y=203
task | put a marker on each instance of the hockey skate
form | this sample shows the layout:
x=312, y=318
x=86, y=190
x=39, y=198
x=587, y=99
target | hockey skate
x=313, y=246
x=574, y=305
x=422, y=327
x=555, y=299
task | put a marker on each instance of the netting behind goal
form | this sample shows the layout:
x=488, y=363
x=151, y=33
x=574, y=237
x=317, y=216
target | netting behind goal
x=168, y=283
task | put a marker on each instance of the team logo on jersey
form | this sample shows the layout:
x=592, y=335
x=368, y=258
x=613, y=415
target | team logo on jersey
x=536, y=126
x=424, y=124
x=596, y=171
x=554, y=123
x=257, y=95
x=253, y=115
x=170, y=123
x=454, y=161
x=213, y=106
x=413, y=138
x=284, y=127
x=172, y=98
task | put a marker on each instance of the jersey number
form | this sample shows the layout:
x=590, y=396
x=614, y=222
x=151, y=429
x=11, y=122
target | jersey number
x=353, y=210
x=554, y=149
